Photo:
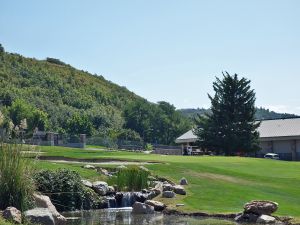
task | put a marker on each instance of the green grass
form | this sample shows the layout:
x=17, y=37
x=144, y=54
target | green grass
x=217, y=184
x=95, y=147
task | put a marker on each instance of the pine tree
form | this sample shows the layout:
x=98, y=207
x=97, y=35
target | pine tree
x=230, y=128
x=1, y=48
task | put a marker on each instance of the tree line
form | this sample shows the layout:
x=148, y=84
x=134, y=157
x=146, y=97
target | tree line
x=54, y=96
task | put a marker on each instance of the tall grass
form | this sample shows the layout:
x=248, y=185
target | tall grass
x=16, y=183
x=131, y=179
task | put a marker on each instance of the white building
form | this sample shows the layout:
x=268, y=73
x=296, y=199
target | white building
x=280, y=136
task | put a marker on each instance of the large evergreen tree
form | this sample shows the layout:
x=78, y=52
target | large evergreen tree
x=230, y=128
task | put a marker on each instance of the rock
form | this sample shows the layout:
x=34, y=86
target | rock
x=144, y=191
x=168, y=187
x=87, y=183
x=100, y=187
x=246, y=218
x=140, y=197
x=121, y=167
x=153, y=193
x=168, y=194
x=159, y=186
x=179, y=205
x=104, y=171
x=111, y=190
x=265, y=219
x=144, y=168
x=90, y=167
x=156, y=191
x=261, y=207
x=142, y=208
x=158, y=206
x=43, y=201
x=12, y=214
x=152, y=178
x=179, y=190
x=39, y=216
x=183, y=181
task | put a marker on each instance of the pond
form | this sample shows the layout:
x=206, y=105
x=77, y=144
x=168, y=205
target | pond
x=123, y=216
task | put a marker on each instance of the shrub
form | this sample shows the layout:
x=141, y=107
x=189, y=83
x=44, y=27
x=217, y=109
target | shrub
x=66, y=191
x=131, y=179
x=16, y=183
x=148, y=147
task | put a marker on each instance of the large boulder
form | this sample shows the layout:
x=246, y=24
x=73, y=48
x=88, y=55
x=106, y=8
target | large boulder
x=261, y=207
x=266, y=219
x=90, y=167
x=153, y=192
x=111, y=190
x=103, y=171
x=43, y=201
x=158, y=206
x=140, y=196
x=246, y=218
x=87, y=183
x=183, y=181
x=168, y=187
x=39, y=216
x=168, y=194
x=159, y=186
x=101, y=187
x=142, y=208
x=12, y=214
x=179, y=190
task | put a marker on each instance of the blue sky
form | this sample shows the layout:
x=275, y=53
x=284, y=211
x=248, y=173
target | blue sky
x=166, y=49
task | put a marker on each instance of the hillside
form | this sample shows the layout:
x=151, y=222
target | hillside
x=68, y=100
x=261, y=113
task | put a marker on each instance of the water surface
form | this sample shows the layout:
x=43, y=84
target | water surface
x=123, y=216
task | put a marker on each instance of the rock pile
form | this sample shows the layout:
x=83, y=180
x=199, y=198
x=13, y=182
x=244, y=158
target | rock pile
x=170, y=191
x=258, y=212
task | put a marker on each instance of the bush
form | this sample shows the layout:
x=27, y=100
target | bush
x=66, y=191
x=16, y=183
x=131, y=179
x=148, y=147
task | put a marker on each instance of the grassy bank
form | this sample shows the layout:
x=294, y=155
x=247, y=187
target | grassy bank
x=217, y=184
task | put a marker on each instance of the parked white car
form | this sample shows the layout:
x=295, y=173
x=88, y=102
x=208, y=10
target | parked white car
x=271, y=156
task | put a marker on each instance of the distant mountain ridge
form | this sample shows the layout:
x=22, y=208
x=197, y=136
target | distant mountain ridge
x=261, y=113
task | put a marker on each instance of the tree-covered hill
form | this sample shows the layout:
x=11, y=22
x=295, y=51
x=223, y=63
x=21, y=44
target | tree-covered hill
x=55, y=96
x=261, y=113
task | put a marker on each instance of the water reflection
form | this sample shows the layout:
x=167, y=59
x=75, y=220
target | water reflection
x=123, y=216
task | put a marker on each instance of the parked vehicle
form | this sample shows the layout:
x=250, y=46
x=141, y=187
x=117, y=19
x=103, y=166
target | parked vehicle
x=271, y=156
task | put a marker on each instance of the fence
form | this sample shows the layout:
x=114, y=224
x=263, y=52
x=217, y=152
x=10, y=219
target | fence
x=80, y=141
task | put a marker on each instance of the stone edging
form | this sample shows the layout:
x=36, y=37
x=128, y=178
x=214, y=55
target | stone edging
x=228, y=216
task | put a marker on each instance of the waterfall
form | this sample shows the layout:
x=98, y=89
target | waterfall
x=128, y=199
x=111, y=202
